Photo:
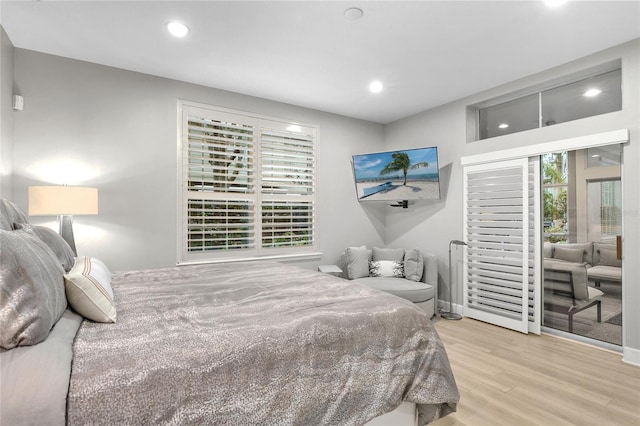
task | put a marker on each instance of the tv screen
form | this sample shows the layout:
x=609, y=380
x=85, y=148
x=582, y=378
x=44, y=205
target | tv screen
x=409, y=174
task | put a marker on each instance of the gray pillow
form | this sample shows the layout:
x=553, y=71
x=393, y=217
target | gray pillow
x=597, y=250
x=32, y=297
x=547, y=250
x=54, y=241
x=609, y=258
x=10, y=214
x=568, y=254
x=357, y=262
x=413, y=265
x=397, y=255
x=585, y=248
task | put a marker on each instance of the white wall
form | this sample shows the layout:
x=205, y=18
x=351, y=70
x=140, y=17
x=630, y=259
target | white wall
x=117, y=130
x=433, y=225
x=6, y=115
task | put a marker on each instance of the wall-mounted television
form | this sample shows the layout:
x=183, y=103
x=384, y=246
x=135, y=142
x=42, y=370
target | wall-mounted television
x=404, y=174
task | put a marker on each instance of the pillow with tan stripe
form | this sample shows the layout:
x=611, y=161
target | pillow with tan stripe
x=88, y=289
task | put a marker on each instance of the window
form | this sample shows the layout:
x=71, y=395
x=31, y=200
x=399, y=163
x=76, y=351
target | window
x=554, y=196
x=248, y=185
x=499, y=120
x=610, y=208
x=605, y=209
x=604, y=156
x=597, y=93
x=592, y=96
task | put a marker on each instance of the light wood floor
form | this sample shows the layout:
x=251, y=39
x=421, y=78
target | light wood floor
x=509, y=378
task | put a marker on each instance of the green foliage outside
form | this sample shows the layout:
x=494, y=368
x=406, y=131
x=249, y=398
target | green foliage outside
x=555, y=198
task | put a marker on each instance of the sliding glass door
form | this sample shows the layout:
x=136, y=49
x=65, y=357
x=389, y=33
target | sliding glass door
x=582, y=217
x=537, y=220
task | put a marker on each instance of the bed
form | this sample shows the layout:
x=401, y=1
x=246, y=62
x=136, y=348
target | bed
x=233, y=343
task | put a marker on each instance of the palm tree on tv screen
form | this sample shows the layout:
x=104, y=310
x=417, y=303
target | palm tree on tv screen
x=401, y=162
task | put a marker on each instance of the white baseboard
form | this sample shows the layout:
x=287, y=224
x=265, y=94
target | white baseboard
x=631, y=356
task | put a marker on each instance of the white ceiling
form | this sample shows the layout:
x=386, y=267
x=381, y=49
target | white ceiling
x=307, y=53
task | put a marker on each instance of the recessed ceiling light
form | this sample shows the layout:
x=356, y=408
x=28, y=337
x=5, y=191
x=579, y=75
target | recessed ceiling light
x=376, y=87
x=595, y=156
x=592, y=92
x=177, y=29
x=555, y=3
x=353, y=13
x=503, y=126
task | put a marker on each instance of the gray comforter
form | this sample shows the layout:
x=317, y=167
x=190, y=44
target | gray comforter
x=255, y=343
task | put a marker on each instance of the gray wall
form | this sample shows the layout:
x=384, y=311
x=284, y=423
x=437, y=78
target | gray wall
x=433, y=225
x=117, y=130
x=6, y=115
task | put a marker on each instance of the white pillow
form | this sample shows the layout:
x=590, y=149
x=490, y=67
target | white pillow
x=386, y=268
x=88, y=289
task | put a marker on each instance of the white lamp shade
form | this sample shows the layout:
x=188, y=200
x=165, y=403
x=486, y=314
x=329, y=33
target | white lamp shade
x=58, y=200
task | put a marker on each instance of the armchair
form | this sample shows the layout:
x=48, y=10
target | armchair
x=566, y=291
x=418, y=283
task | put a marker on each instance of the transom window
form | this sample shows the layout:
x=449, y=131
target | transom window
x=248, y=185
x=597, y=92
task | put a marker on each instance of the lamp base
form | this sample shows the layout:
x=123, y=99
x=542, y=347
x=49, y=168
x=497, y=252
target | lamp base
x=450, y=316
x=66, y=231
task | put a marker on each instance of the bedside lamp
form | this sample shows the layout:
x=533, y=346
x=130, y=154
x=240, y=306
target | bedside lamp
x=63, y=201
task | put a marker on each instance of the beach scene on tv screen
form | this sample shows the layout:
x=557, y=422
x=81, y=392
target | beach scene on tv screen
x=397, y=175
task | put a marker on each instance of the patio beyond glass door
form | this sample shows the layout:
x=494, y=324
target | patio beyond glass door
x=582, y=229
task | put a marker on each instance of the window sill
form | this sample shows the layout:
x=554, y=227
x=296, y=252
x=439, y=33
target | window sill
x=282, y=257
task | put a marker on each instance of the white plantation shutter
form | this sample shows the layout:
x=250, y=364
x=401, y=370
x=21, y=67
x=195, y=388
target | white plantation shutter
x=287, y=162
x=287, y=224
x=248, y=185
x=500, y=271
x=220, y=156
x=219, y=225
x=535, y=241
